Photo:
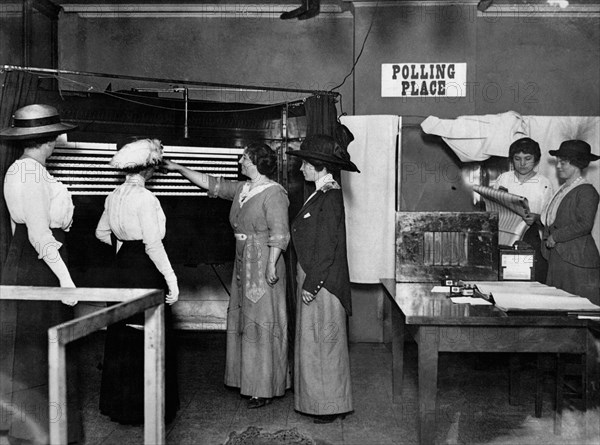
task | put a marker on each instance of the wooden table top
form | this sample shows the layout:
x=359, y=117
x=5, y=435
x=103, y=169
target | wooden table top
x=79, y=293
x=422, y=307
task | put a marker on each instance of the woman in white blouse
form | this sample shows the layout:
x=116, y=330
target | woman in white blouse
x=133, y=223
x=525, y=180
x=41, y=212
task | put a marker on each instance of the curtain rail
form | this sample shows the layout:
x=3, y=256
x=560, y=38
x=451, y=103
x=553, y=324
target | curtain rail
x=152, y=79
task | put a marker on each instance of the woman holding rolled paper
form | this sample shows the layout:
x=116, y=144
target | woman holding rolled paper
x=525, y=180
x=134, y=224
x=257, y=361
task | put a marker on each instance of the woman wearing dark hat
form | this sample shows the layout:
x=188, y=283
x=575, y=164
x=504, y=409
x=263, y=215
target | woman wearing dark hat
x=525, y=180
x=573, y=259
x=322, y=385
x=41, y=211
x=133, y=223
x=257, y=342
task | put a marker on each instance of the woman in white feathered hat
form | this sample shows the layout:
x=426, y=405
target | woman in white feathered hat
x=133, y=223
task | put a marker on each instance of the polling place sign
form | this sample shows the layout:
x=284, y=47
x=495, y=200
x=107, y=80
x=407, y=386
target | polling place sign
x=423, y=79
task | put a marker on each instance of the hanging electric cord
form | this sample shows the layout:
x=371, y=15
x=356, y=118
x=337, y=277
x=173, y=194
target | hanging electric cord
x=57, y=74
x=220, y=279
x=361, y=49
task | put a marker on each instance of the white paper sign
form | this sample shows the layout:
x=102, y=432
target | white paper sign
x=423, y=79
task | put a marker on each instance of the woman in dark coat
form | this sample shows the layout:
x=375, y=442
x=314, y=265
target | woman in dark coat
x=322, y=386
x=573, y=259
x=133, y=222
x=41, y=211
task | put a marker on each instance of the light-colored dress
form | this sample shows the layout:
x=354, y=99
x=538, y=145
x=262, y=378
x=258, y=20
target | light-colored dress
x=257, y=340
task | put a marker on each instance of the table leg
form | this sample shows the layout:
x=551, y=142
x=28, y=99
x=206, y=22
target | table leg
x=591, y=394
x=428, y=340
x=398, y=326
x=514, y=387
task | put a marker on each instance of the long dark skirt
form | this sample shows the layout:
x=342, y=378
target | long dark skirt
x=122, y=388
x=581, y=281
x=532, y=237
x=24, y=338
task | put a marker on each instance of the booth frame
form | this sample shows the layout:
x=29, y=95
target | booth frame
x=130, y=302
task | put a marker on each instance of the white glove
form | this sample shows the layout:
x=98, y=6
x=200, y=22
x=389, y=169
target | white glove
x=68, y=283
x=173, y=294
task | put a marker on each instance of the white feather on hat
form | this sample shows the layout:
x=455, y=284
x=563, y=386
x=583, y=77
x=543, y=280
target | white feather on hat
x=141, y=153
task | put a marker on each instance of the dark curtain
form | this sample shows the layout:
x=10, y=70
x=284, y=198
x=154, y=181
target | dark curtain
x=19, y=89
x=321, y=115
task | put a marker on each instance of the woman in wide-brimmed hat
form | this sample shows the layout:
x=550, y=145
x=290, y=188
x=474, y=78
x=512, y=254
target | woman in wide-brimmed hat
x=322, y=386
x=41, y=211
x=573, y=259
x=134, y=223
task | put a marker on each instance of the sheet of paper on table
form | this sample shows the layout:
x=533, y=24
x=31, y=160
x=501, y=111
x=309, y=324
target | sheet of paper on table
x=459, y=299
x=470, y=300
x=532, y=296
x=441, y=289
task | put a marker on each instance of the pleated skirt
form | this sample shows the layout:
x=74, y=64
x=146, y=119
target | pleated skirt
x=321, y=363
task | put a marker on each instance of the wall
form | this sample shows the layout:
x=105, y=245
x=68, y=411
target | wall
x=530, y=63
x=11, y=40
x=313, y=54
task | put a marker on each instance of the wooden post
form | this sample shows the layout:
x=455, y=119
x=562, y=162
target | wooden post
x=132, y=301
x=398, y=326
x=57, y=382
x=154, y=376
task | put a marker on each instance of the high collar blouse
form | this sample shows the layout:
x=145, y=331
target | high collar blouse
x=132, y=213
x=37, y=199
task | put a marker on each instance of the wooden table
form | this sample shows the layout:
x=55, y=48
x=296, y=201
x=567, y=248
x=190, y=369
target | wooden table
x=438, y=325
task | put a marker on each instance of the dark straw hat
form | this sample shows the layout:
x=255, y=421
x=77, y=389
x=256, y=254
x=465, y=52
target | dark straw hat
x=35, y=121
x=575, y=149
x=323, y=148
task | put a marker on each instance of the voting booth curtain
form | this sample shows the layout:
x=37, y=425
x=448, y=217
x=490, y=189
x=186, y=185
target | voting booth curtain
x=19, y=89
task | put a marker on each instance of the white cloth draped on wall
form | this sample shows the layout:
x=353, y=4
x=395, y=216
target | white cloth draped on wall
x=369, y=197
x=476, y=138
x=548, y=131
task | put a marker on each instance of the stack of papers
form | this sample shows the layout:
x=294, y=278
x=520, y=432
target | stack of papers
x=470, y=300
x=459, y=299
x=533, y=296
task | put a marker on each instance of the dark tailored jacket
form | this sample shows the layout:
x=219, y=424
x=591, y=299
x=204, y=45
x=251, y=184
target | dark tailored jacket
x=319, y=237
x=572, y=228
